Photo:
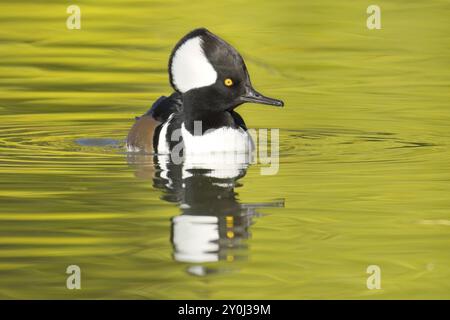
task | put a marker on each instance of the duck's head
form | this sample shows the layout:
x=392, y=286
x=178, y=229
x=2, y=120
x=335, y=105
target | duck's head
x=212, y=74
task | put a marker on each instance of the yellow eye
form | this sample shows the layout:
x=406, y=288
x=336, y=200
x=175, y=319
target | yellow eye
x=228, y=82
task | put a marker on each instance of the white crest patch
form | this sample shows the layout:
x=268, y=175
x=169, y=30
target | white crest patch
x=190, y=68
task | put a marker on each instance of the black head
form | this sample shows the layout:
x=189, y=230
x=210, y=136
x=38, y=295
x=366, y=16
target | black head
x=205, y=68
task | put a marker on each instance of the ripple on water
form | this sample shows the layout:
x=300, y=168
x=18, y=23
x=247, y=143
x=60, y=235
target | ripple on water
x=342, y=145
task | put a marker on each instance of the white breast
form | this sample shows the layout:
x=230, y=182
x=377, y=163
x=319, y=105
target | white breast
x=225, y=152
x=218, y=140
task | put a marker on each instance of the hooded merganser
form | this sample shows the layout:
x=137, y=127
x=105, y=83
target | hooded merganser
x=210, y=80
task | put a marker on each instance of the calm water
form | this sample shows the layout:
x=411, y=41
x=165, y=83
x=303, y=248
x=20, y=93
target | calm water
x=364, y=173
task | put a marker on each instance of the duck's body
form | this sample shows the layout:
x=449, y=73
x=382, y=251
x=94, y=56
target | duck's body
x=211, y=80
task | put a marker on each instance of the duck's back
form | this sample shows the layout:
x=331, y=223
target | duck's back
x=153, y=132
x=144, y=135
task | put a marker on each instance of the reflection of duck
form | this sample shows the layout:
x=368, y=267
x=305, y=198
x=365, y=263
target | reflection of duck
x=212, y=223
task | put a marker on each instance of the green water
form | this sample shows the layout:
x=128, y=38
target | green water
x=364, y=173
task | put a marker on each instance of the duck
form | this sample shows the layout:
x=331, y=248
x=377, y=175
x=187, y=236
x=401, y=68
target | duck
x=210, y=80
